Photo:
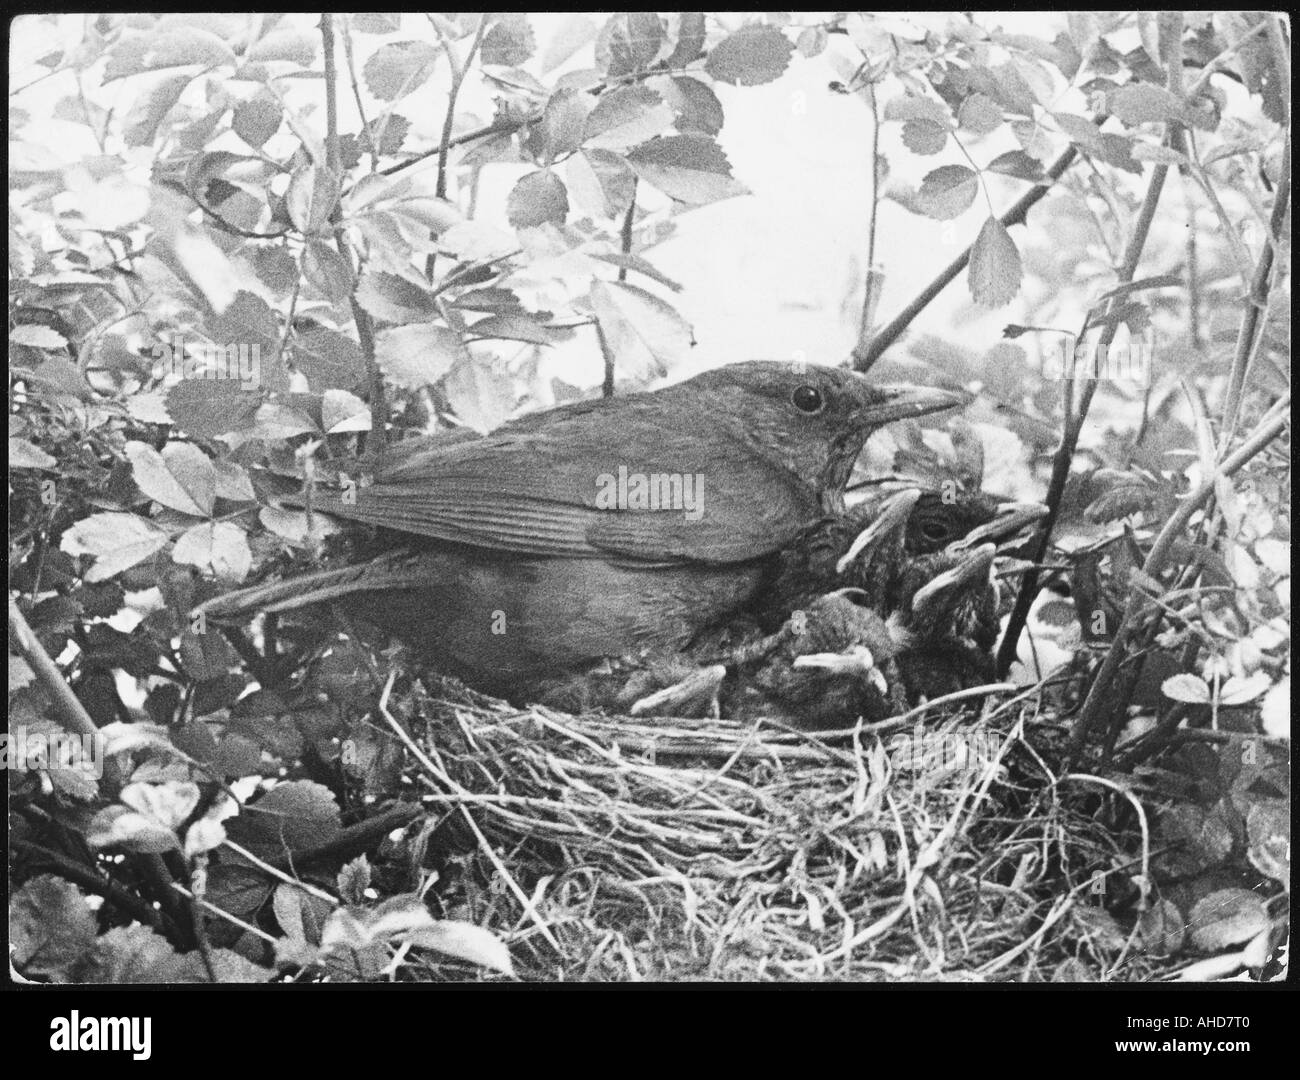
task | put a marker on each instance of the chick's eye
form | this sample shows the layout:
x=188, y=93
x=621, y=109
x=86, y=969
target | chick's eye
x=934, y=530
x=808, y=399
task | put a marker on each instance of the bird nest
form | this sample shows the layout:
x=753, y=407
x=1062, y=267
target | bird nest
x=938, y=845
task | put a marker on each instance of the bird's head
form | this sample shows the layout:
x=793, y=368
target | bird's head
x=813, y=419
x=953, y=597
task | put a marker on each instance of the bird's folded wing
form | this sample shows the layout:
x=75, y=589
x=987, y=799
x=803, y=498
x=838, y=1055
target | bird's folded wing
x=548, y=494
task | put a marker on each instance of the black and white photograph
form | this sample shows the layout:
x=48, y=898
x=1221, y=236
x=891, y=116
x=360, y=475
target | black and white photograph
x=688, y=499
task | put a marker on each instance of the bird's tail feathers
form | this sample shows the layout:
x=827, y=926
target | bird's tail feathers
x=394, y=571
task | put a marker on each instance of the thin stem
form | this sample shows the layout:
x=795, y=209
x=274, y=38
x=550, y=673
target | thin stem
x=458, y=72
x=365, y=328
x=1073, y=426
x=372, y=137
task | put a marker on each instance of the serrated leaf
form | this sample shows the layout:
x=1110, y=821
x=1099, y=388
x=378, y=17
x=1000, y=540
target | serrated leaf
x=312, y=196
x=1162, y=928
x=980, y=114
x=1079, y=129
x=924, y=137
x=177, y=46
x=511, y=328
x=327, y=270
x=293, y=526
x=1275, y=710
x=575, y=33
x=169, y=803
x=151, y=108
x=286, y=44
x=495, y=301
x=185, y=482
x=1161, y=155
x=477, y=242
x=696, y=105
x=219, y=547
x=600, y=182
x=480, y=393
x=392, y=299
x=1268, y=828
x=948, y=191
x=60, y=375
x=1117, y=150
x=509, y=41
x=1126, y=495
x=812, y=41
x=291, y=817
x=1227, y=917
x=690, y=39
x=328, y=359
x=198, y=263
x=1018, y=164
x=38, y=337
x=258, y=118
x=641, y=266
x=1143, y=103
x=435, y=216
x=1239, y=690
x=276, y=420
x=51, y=928
x=412, y=357
x=1187, y=688
x=689, y=168
x=395, y=70
x=1033, y=138
x=629, y=42
x=377, y=22
x=644, y=335
x=536, y=199
x=753, y=55
x=116, y=826
x=626, y=116
x=207, y=408
x=995, y=269
x=233, y=482
x=915, y=107
x=562, y=126
x=27, y=455
x=1012, y=89
x=342, y=411
x=354, y=880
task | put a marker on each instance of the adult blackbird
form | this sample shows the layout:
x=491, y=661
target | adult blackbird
x=602, y=527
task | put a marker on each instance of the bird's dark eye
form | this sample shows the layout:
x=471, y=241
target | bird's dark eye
x=808, y=399
x=934, y=530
